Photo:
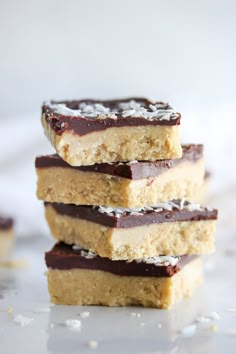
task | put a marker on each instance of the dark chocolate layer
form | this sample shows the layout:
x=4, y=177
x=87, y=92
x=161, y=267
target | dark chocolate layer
x=63, y=257
x=134, y=171
x=127, y=220
x=6, y=223
x=84, y=125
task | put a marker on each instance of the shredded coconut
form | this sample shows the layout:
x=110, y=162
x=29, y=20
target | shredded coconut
x=85, y=314
x=170, y=206
x=189, y=330
x=203, y=319
x=84, y=253
x=88, y=254
x=214, y=316
x=93, y=344
x=77, y=247
x=135, y=314
x=158, y=111
x=73, y=324
x=159, y=260
x=22, y=320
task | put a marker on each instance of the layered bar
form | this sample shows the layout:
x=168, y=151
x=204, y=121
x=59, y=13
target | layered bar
x=6, y=236
x=172, y=228
x=86, y=132
x=122, y=184
x=80, y=277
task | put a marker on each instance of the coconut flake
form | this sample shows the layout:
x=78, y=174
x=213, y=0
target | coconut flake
x=22, y=320
x=77, y=247
x=88, y=254
x=214, y=316
x=159, y=111
x=181, y=204
x=93, y=344
x=160, y=260
x=85, y=314
x=189, y=330
x=73, y=324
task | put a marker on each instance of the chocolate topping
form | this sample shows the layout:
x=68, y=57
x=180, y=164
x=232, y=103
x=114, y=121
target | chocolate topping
x=136, y=170
x=133, y=218
x=6, y=223
x=83, y=124
x=64, y=257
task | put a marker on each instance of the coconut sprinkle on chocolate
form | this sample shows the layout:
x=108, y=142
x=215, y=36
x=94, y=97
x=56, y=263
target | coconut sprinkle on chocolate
x=152, y=111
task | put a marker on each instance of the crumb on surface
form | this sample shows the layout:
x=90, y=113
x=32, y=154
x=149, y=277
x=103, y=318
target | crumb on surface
x=189, y=330
x=93, y=344
x=10, y=310
x=85, y=314
x=22, y=320
x=214, y=327
x=135, y=314
x=73, y=324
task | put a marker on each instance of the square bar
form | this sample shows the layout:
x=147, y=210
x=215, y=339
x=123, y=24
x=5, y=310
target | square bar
x=80, y=277
x=172, y=228
x=126, y=184
x=86, y=132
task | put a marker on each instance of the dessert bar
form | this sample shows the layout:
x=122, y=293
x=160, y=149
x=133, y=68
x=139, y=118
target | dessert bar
x=80, y=277
x=172, y=228
x=86, y=132
x=121, y=184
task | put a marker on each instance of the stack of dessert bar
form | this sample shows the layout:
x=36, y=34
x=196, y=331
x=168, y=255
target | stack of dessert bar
x=119, y=199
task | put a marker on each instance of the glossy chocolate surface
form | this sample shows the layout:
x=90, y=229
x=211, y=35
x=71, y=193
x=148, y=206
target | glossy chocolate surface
x=64, y=257
x=83, y=125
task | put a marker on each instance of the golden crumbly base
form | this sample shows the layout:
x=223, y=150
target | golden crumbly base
x=95, y=287
x=69, y=186
x=170, y=238
x=6, y=243
x=202, y=195
x=116, y=144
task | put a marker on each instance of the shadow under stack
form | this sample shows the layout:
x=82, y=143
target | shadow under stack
x=120, y=199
